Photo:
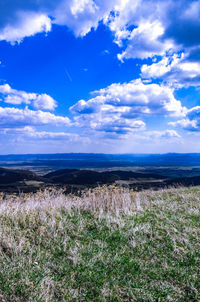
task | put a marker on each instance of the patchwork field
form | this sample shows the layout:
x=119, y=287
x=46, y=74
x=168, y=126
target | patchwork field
x=111, y=244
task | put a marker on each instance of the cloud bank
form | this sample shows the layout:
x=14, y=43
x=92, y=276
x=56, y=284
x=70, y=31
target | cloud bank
x=17, y=97
x=163, y=36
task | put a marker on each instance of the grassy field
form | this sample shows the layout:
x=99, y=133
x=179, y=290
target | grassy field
x=111, y=244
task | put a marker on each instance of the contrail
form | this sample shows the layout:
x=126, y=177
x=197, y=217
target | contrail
x=68, y=75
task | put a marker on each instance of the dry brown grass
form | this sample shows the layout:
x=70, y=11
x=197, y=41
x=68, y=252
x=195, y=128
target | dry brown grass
x=111, y=244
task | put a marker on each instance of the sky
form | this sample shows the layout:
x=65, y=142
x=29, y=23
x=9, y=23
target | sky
x=109, y=76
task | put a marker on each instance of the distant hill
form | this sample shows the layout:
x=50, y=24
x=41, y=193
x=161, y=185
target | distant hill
x=81, y=177
x=184, y=181
x=9, y=176
x=140, y=180
x=89, y=177
x=14, y=180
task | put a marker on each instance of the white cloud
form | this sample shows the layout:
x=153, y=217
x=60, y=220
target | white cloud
x=5, y=89
x=186, y=124
x=111, y=123
x=132, y=99
x=27, y=24
x=175, y=69
x=31, y=132
x=139, y=26
x=11, y=117
x=149, y=22
x=160, y=68
x=79, y=15
x=143, y=41
x=191, y=122
x=19, y=19
x=17, y=97
x=32, y=140
x=155, y=26
x=166, y=134
x=149, y=28
x=143, y=29
x=146, y=28
x=155, y=136
x=121, y=108
x=45, y=102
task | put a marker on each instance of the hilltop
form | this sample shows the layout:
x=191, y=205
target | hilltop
x=110, y=244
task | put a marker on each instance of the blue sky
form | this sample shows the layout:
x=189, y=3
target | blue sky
x=116, y=76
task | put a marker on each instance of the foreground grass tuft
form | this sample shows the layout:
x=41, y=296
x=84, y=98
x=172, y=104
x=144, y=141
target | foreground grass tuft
x=112, y=244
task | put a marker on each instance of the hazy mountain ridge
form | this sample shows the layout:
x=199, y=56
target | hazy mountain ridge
x=84, y=177
x=12, y=180
x=83, y=160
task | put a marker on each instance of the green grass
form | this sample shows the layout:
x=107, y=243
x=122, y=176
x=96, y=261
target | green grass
x=109, y=245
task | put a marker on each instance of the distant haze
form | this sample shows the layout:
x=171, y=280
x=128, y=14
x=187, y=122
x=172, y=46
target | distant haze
x=91, y=160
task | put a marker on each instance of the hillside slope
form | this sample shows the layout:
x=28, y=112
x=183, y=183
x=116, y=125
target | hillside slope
x=9, y=176
x=111, y=244
x=90, y=177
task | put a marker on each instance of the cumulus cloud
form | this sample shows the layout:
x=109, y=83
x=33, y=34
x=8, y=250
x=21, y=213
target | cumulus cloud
x=121, y=108
x=146, y=28
x=45, y=102
x=143, y=42
x=139, y=27
x=109, y=124
x=191, y=122
x=12, y=117
x=20, y=18
x=175, y=69
x=27, y=24
x=82, y=15
x=131, y=99
x=166, y=29
x=151, y=22
x=161, y=68
x=186, y=124
x=17, y=97
x=157, y=25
